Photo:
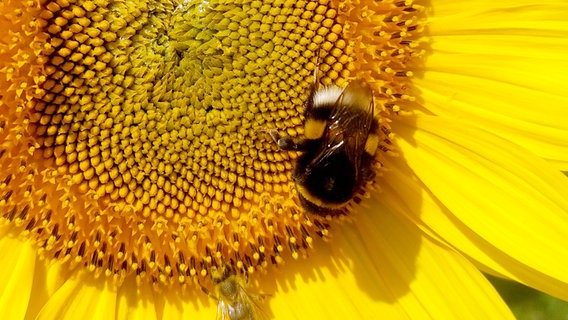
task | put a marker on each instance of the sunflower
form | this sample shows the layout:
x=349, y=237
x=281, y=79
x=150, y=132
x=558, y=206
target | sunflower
x=133, y=165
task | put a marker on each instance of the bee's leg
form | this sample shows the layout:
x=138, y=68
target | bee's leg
x=284, y=142
x=245, y=274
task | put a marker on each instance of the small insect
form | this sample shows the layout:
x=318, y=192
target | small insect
x=338, y=147
x=234, y=303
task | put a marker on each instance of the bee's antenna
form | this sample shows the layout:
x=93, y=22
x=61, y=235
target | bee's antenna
x=245, y=274
x=316, y=69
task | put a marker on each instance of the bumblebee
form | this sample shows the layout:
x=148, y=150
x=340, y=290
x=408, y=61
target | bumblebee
x=234, y=303
x=338, y=146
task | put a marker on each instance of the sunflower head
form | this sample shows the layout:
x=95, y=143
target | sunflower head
x=131, y=132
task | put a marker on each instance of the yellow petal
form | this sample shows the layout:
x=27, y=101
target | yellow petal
x=508, y=203
x=48, y=277
x=136, y=301
x=191, y=303
x=26, y=277
x=383, y=265
x=81, y=296
x=504, y=67
x=18, y=260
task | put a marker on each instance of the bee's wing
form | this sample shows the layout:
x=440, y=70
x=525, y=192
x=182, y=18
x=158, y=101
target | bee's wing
x=352, y=118
x=253, y=301
x=223, y=311
x=356, y=99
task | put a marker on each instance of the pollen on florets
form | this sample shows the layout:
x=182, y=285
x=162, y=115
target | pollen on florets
x=131, y=135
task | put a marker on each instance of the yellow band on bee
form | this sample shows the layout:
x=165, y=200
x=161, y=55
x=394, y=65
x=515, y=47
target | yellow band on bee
x=313, y=129
x=317, y=201
x=372, y=143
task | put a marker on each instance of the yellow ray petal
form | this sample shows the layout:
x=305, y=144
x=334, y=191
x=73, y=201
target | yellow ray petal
x=136, y=301
x=48, y=277
x=451, y=17
x=17, y=259
x=185, y=304
x=505, y=200
x=503, y=66
x=435, y=219
x=491, y=107
x=81, y=296
x=384, y=263
x=30, y=279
